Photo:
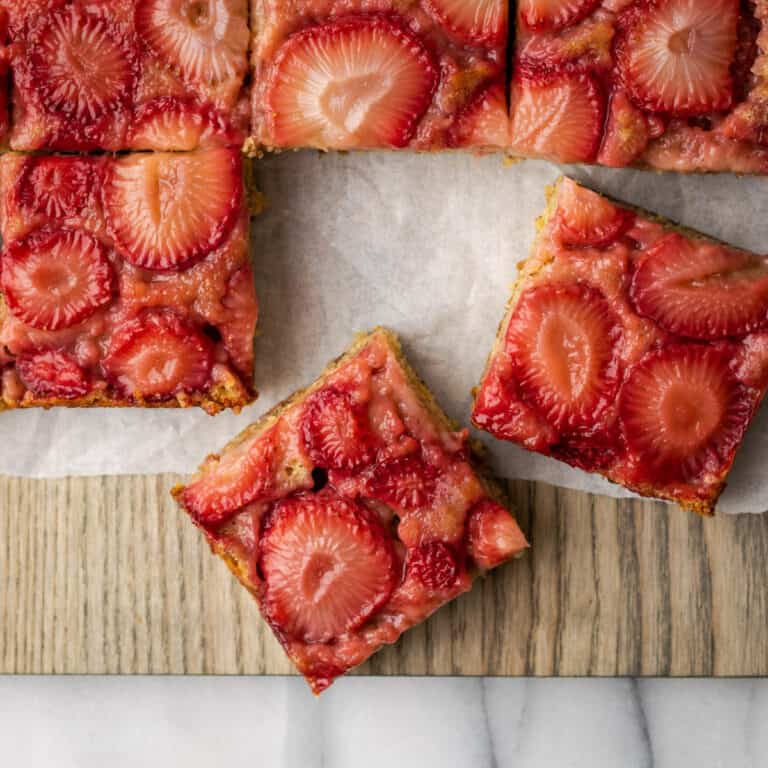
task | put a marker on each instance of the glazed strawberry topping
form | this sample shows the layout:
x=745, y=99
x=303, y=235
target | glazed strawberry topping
x=484, y=121
x=492, y=534
x=701, y=289
x=168, y=211
x=626, y=132
x=239, y=326
x=52, y=374
x=56, y=187
x=327, y=566
x=472, y=21
x=435, y=565
x=54, y=279
x=586, y=218
x=406, y=483
x=547, y=14
x=158, y=355
x=640, y=356
x=356, y=82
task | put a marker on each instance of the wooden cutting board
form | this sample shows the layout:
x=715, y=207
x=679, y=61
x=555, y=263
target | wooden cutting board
x=104, y=575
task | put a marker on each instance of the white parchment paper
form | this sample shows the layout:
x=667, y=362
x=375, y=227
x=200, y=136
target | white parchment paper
x=425, y=245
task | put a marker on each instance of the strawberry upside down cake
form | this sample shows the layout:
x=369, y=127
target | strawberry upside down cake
x=125, y=281
x=125, y=74
x=351, y=511
x=669, y=84
x=366, y=74
x=631, y=348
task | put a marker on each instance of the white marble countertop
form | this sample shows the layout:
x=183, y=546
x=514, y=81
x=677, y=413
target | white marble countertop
x=76, y=722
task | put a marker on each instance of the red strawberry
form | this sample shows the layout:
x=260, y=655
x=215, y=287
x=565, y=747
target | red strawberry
x=56, y=187
x=435, y=565
x=559, y=117
x=170, y=123
x=585, y=218
x=472, y=21
x=674, y=56
x=406, y=482
x=205, y=42
x=626, y=133
x=683, y=413
x=336, y=431
x=562, y=343
x=51, y=373
x=554, y=14
x=356, y=82
x=327, y=565
x=239, y=326
x=238, y=478
x=157, y=355
x=701, y=289
x=56, y=278
x=82, y=62
x=493, y=535
x=484, y=122
x=167, y=211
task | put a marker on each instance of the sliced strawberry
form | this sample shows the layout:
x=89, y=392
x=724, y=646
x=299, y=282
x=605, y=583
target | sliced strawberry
x=205, y=42
x=238, y=478
x=436, y=565
x=562, y=342
x=493, y=535
x=482, y=22
x=406, y=482
x=559, y=117
x=167, y=211
x=170, y=123
x=56, y=278
x=336, y=431
x=239, y=327
x=356, y=82
x=57, y=187
x=484, y=122
x=674, y=56
x=683, y=413
x=82, y=62
x=626, y=133
x=701, y=289
x=554, y=14
x=157, y=355
x=585, y=218
x=51, y=373
x=327, y=565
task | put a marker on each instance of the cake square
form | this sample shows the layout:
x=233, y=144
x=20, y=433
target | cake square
x=367, y=74
x=126, y=74
x=669, y=84
x=632, y=348
x=125, y=281
x=352, y=510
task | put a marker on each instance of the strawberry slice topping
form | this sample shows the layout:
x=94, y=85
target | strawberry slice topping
x=675, y=56
x=562, y=342
x=327, y=566
x=701, y=289
x=559, y=117
x=436, y=565
x=57, y=187
x=358, y=82
x=406, y=482
x=239, y=326
x=81, y=61
x=167, y=211
x=336, y=431
x=157, y=355
x=585, y=218
x=493, y=535
x=683, y=413
x=482, y=22
x=51, y=373
x=236, y=479
x=205, y=41
x=554, y=14
x=626, y=133
x=180, y=125
x=484, y=122
x=54, y=278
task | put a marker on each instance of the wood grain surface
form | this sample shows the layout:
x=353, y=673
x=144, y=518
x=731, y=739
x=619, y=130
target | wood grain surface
x=104, y=575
